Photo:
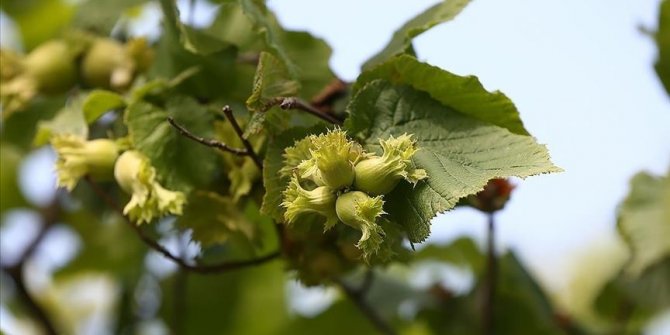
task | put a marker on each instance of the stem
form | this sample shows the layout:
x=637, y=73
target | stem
x=490, y=280
x=357, y=296
x=50, y=215
x=204, y=141
x=197, y=268
x=295, y=103
x=228, y=112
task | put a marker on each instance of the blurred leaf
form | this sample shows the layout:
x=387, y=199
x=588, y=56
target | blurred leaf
x=465, y=95
x=38, y=20
x=341, y=318
x=229, y=303
x=107, y=245
x=181, y=163
x=217, y=76
x=193, y=40
x=233, y=26
x=20, y=128
x=216, y=219
x=305, y=57
x=456, y=163
x=100, y=16
x=401, y=42
x=98, y=102
x=10, y=193
x=312, y=58
x=644, y=221
x=266, y=24
x=461, y=252
x=663, y=42
x=521, y=306
x=69, y=120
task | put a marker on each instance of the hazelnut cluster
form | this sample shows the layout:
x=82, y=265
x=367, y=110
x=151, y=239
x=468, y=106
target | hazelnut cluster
x=333, y=177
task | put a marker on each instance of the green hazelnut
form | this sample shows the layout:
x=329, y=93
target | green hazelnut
x=101, y=61
x=360, y=211
x=52, y=67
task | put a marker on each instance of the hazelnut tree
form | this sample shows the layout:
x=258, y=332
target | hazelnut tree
x=238, y=138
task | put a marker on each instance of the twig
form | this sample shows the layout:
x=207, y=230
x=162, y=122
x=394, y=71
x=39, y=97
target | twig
x=357, y=296
x=204, y=141
x=198, y=268
x=488, y=307
x=50, y=215
x=295, y=103
x=228, y=112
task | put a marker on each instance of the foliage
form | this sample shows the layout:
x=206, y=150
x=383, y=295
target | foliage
x=235, y=143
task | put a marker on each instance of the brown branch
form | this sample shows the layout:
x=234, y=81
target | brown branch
x=228, y=112
x=357, y=296
x=197, y=268
x=50, y=216
x=295, y=103
x=488, y=307
x=204, y=141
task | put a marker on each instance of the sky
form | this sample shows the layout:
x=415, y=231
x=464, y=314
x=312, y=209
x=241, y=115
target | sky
x=580, y=73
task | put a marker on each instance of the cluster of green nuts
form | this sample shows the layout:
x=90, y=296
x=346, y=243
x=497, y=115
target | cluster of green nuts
x=103, y=159
x=55, y=66
x=333, y=177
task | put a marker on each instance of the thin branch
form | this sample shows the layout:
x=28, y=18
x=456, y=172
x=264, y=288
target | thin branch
x=198, y=268
x=488, y=307
x=228, y=112
x=204, y=141
x=295, y=103
x=357, y=296
x=50, y=216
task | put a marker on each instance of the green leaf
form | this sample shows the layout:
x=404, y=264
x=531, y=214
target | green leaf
x=459, y=153
x=521, y=306
x=271, y=80
x=401, y=41
x=235, y=27
x=10, y=193
x=38, y=20
x=312, y=58
x=69, y=120
x=663, y=42
x=461, y=252
x=99, y=102
x=20, y=128
x=216, y=219
x=229, y=303
x=193, y=40
x=306, y=58
x=107, y=245
x=465, y=95
x=331, y=322
x=644, y=221
x=267, y=25
x=181, y=163
x=274, y=183
x=101, y=16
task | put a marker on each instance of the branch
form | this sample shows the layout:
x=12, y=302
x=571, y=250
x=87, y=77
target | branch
x=50, y=216
x=488, y=325
x=204, y=141
x=295, y=103
x=198, y=268
x=228, y=112
x=357, y=296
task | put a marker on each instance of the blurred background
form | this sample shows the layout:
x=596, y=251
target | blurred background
x=580, y=73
